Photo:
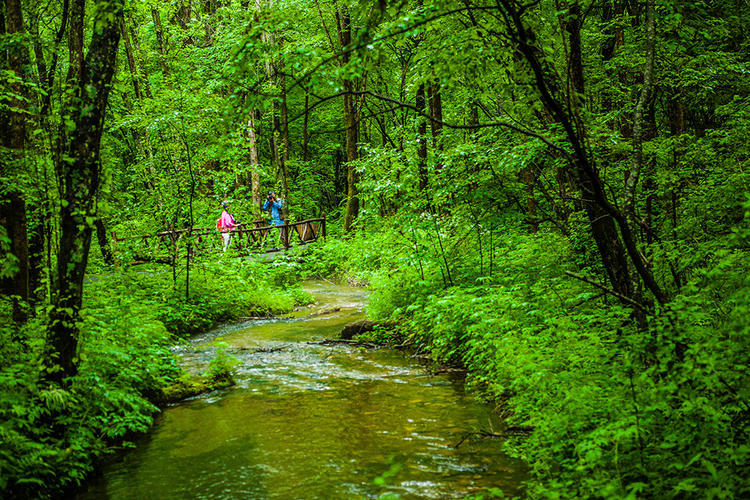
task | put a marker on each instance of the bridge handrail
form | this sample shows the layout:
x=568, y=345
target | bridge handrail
x=204, y=231
x=308, y=230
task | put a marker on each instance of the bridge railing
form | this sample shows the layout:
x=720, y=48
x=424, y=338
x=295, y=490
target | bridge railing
x=253, y=237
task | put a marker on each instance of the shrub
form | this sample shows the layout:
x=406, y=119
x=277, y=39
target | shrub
x=617, y=410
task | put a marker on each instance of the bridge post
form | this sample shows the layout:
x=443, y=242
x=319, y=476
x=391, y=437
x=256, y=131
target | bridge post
x=285, y=235
x=323, y=226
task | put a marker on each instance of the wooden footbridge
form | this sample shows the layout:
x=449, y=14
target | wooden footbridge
x=247, y=238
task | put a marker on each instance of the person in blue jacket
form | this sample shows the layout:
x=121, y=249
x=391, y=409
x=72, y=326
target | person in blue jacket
x=275, y=204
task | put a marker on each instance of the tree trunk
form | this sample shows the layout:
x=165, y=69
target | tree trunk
x=131, y=61
x=279, y=138
x=350, y=123
x=78, y=175
x=41, y=62
x=602, y=224
x=352, y=176
x=305, y=138
x=36, y=245
x=184, y=13
x=101, y=236
x=436, y=126
x=160, y=40
x=284, y=163
x=421, y=140
x=14, y=139
x=638, y=116
x=13, y=218
x=75, y=40
x=528, y=178
x=138, y=57
x=252, y=139
x=49, y=83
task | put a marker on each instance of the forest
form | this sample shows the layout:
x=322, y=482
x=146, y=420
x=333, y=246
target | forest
x=553, y=195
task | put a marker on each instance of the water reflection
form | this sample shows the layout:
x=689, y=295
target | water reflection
x=311, y=421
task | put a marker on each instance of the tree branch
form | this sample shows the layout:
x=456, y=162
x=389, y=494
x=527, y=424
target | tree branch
x=421, y=113
x=609, y=291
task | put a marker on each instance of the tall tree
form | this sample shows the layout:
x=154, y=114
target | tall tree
x=78, y=169
x=351, y=120
x=254, y=157
x=608, y=224
x=160, y=40
x=13, y=128
x=421, y=139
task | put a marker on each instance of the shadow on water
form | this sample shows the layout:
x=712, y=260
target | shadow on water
x=311, y=421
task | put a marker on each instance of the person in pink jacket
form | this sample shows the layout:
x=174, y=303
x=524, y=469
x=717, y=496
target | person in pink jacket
x=226, y=224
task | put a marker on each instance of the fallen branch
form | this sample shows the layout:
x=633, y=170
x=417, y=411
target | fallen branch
x=482, y=434
x=609, y=291
x=487, y=434
x=343, y=341
x=264, y=349
x=446, y=370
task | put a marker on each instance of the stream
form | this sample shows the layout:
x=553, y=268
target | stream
x=314, y=421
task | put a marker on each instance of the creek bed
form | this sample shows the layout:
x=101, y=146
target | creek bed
x=313, y=421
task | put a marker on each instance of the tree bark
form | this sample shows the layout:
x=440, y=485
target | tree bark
x=638, y=116
x=78, y=174
x=436, y=126
x=160, y=40
x=350, y=123
x=131, y=61
x=305, y=137
x=101, y=236
x=75, y=40
x=13, y=218
x=14, y=139
x=421, y=140
x=602, y=224
x=284, y=163
x=49, y=83
x=252, y=140
x=138, y=58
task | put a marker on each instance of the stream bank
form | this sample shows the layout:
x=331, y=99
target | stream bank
x=313, y=421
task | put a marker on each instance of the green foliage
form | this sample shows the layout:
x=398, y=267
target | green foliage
x=9, y=262
x=464, y=242
x=615, y=410
x=221, y=369
x=221, y=290
x=52, y=436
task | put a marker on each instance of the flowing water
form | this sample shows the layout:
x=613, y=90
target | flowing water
x=314, y=421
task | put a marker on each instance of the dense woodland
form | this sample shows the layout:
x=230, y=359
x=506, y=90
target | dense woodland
x=552, y=194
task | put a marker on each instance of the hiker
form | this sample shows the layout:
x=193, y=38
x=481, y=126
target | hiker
x=275, y=204
x=226, y=224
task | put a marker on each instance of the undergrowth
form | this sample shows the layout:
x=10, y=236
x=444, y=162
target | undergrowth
x=52, y=437
x=617, y=410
